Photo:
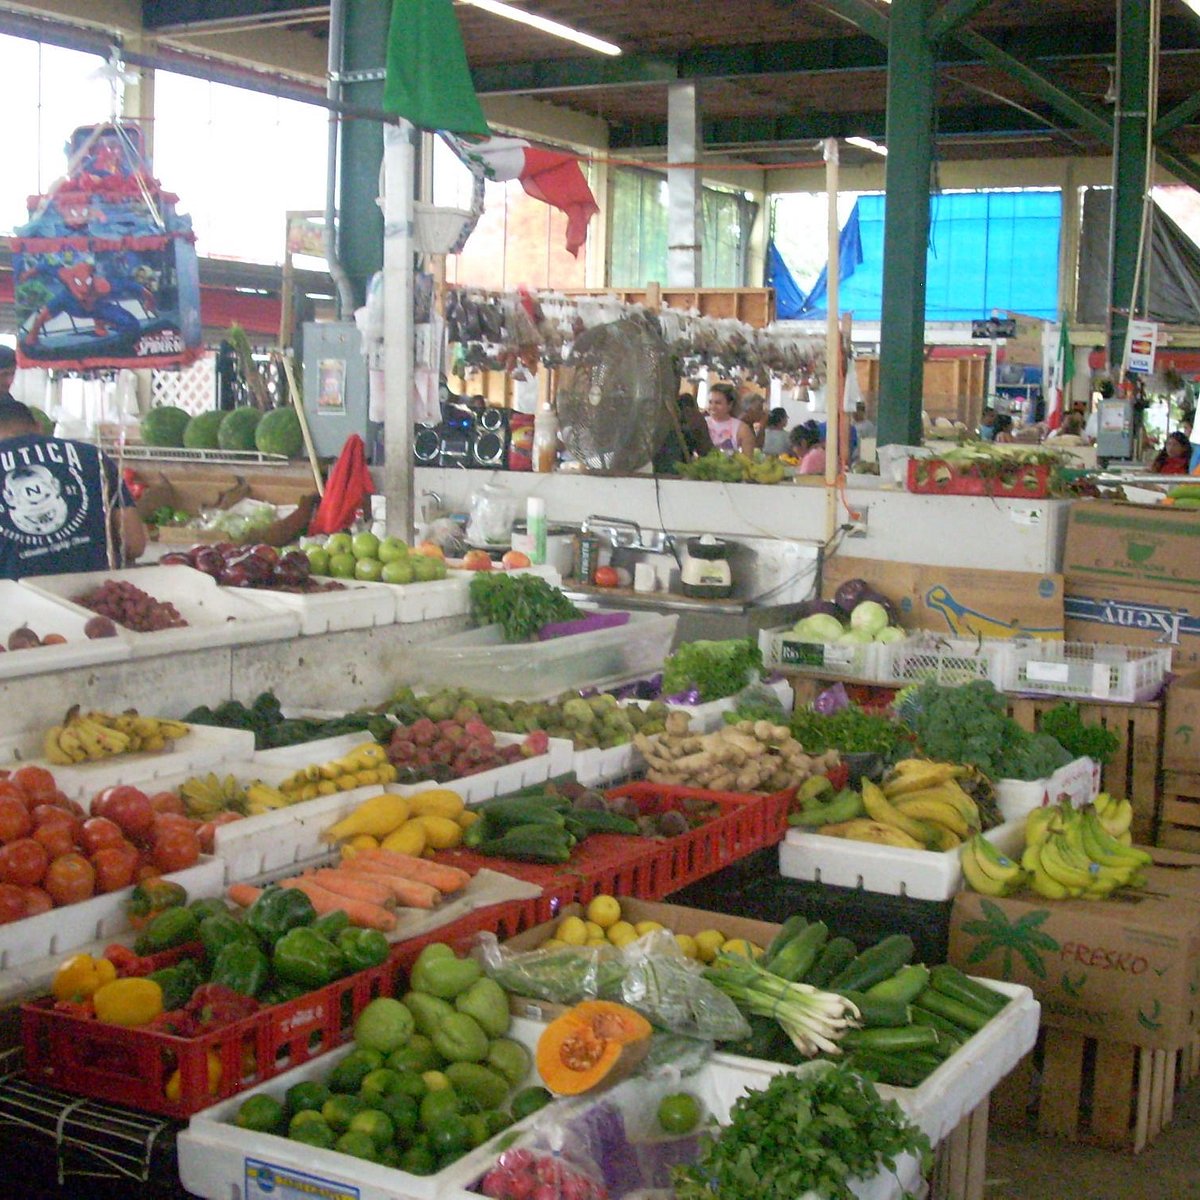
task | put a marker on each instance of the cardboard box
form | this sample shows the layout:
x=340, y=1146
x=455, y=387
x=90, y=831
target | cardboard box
x=1181, y=732
x=1132, y=615
x=959, y=601
x=191, y=494
x=1126, y=969
x=1132, y=544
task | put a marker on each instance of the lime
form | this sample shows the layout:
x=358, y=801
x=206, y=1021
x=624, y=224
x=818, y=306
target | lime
x=404, y=1114
x=340, y=1110
x=377, y=1125
x=437, y=1105
x=360, y=1145
x=309, y=1127
x=418, y=1159
x=311, y=1094
x=529, y=1100
x=449, y=1136
x=262, y=1113
x=679, y=1113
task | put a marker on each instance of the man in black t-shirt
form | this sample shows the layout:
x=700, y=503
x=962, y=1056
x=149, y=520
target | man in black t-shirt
x=52, y=502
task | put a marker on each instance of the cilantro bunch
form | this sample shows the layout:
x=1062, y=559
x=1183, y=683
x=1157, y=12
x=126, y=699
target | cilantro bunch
x=810, y=1131
x=519, y=604
x=714, y=669
x=849, y=730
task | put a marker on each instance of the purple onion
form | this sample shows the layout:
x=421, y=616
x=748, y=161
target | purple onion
x=831, y=700
x=690, y=696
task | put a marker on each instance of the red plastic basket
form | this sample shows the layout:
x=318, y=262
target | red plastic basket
x=935, y=477
x=132, y=1066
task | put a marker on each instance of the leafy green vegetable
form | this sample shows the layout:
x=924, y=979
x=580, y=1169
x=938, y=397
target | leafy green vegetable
x=714, y=669
x=1066, y=726
x=849, y=730
x=519, y=604
x=810, y=1131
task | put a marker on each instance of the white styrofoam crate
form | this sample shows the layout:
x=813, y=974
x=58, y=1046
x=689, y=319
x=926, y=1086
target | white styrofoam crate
x=1090, y=670
x=892, y=870
x=595, y=766
x=216, y=616
x=966, y=1078
x=358, y=605
x=451, y=597
x=707, y=717
x=946, y=660
x=301, y=754
x=205, y=748
x=45, y=615
x=1079, y=779
x=74, y=925
x=868, y=660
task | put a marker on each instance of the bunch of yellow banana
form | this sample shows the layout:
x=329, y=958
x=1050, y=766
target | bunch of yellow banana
x=364, y=765
x=204, y=796
x=924, y=801
x=262, y=798
x=988, y=871
x=1082, y=852
x=863, y=829
x=88, y=737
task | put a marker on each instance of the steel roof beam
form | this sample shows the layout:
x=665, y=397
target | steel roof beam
x=194, y=16
x=952, y=15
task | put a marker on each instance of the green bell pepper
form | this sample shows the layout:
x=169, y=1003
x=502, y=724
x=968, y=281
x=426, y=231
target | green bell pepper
x=242, y=967
x=208, y=907
x=221, y=930
x=363, y=948
x=331, y=924
x=177, y=983
x=304, y=957
x=276, y=911
x=151, y=897
x=281, y=992
x=170, y=928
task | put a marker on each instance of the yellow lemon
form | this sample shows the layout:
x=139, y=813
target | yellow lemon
x=645, y=927
x=441, y=833
x=594, y=930
x=573, y=931
x=597, y=941
x=604, y=911
x=410, y=838
x=622, y=933
x=687, y=945
x=740, y=947
x=708, y=942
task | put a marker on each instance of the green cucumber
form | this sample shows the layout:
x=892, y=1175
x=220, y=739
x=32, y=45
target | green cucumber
x=506, y=814
x=948, y=1030
x=839, y=953
x=598, y=821
x=530, y=843
x=896, y=1070
x=953, y=1010
x=891, y=1039
x=797, y=957
x=950, y=981
x=905, y=986
x=793, y=925
x=875, y=1012
x=875, y=964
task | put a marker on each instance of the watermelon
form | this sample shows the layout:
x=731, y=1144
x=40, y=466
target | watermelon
x=236, y=431
x=201, y=431
x=279, y=433
x=164, y=426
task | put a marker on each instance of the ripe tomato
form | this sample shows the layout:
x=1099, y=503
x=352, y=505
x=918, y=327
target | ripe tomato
x=50, y=814
x=114, y=866
x=56, y=836
x=605, y=577
x=99, y=833
x=15, y=821
x=10, y=791
x=69, y=879
x=37, y=901
x=12, y=903
x=146, y=870
x=128, y=806
x=68, y=805
x=207, y=832
x=165, y=822
x=36, y=782
x=23, y=862
x=167, y=802
x=176, y=849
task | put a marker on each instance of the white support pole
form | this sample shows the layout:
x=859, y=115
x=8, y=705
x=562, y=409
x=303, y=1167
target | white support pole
x=398, y=169
x=833, y=343
x=684, y=218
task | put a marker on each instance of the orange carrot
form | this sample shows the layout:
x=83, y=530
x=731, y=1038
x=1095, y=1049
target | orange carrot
x=439, y=875
x=342, y=883
x=409, y=892
x=243, y=894
x=367, y=916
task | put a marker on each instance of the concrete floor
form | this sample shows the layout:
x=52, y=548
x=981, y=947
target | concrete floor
x=1025, y=1167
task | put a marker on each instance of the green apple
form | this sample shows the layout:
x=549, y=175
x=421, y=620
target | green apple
x=439, y=568
x=368, y=568
x=392, y=548
x=318, y=560
x=339, y=543
x=398, y=570
x=424, y=569
x=341, y=566
x=365, y=545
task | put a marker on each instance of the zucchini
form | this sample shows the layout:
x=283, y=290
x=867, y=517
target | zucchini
x=530, y=843
x=897, y=1070
x=876, y=1012
x=953, y=1010
x=904, y=986
x=795, y=960
x=891, y=1039
x=793, y=925
x=839, y=953
x=947, y=1029
x=950, y=981
x=875, y=964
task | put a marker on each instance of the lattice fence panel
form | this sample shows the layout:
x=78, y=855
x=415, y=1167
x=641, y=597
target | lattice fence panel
x=193, y=389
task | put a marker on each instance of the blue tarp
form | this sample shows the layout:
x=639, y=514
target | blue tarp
x=987, y=251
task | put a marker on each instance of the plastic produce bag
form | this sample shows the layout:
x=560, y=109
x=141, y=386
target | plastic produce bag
x=555, y=1165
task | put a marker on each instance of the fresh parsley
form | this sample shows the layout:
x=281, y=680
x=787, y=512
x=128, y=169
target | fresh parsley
x=519, y=604
x=1065, y=725
x=714, y=669
x=851, y=731
x=814, y=1130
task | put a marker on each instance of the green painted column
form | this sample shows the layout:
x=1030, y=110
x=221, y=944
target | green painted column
x=360, y=231
x=1129, y=164
x=910, y=108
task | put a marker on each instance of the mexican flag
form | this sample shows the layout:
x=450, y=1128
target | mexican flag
x=1064, y=372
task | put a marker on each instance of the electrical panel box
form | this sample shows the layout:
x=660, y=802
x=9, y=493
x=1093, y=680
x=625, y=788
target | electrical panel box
x=335, y=385
x=1115, y=429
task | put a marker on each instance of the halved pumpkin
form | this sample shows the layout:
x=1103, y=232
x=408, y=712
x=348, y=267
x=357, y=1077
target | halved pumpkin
x=594, y=1044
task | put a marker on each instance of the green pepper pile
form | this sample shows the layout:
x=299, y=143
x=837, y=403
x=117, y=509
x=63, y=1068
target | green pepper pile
x=264, y=718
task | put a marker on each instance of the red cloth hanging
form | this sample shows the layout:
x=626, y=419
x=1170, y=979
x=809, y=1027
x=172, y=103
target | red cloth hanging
x=348, y=485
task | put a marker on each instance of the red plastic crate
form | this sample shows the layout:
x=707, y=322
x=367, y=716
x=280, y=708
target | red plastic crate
x=132, y=1066
x=648, y=868
x=936, y=477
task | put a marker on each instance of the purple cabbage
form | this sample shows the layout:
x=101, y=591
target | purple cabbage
x=809, y=608
x=888, y=606
x=850, y=593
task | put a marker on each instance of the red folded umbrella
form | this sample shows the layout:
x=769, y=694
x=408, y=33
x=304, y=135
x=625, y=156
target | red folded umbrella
x=348, y=486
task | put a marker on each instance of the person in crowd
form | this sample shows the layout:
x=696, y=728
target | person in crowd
x=864, y=427
x=808, y=445
x=8, y=371
x=696, y=441
x=987, y=425
x=1072, y=426
x=1175, y=456
x=729, y=434
x=1003, y=427
x=775, y=436
x=753, y=409
x=54, y=494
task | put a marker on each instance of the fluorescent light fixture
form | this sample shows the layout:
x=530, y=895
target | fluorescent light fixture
x=875, y=148
x=1194, y=5
x=555, y=28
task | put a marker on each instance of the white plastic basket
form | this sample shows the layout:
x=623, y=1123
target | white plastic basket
x=945, y=660
x=868, y=660
x=1090, y=670
x=45, y=615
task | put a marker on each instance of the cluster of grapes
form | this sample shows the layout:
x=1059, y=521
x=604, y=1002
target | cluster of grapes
x=130, y=606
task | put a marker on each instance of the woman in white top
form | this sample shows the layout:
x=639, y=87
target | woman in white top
x=728, y=433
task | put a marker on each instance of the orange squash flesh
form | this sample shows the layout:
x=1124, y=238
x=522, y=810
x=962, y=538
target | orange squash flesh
x=594, y=1043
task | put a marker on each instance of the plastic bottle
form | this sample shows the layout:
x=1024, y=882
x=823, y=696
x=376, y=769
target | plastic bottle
x=535, y=526
x=545, y=441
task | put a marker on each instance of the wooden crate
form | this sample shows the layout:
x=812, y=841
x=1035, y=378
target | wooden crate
x=1135, y=769
x=960, y=1160
x=1181, y=803
x=1109, y=1094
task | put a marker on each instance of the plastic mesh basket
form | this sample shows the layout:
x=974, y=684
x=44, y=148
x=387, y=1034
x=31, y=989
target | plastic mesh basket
x=866, y=660
x=1089, y=670
x=953, y=660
